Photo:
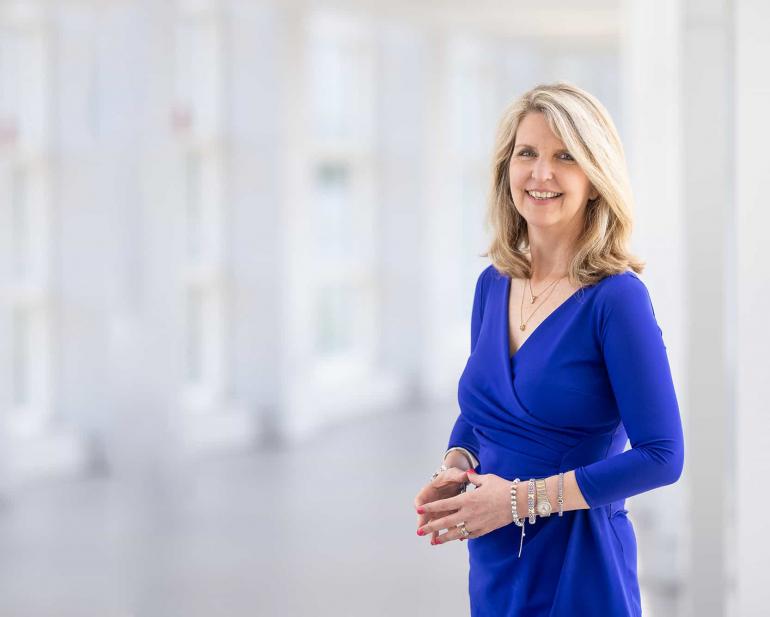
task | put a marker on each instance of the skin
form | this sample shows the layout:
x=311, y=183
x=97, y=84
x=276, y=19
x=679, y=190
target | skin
x=539, y=162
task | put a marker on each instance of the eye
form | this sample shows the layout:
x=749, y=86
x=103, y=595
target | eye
x=525, y=152
x=566, y=156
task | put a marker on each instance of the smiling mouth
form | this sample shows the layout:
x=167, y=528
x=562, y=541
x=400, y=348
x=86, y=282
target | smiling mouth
x=543, y=196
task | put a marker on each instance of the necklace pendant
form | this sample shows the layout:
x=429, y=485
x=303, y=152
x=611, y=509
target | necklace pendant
x=533, y=299
x=522, y=326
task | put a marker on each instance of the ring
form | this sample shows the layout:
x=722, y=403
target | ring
x=437, y=472
x=463, y=529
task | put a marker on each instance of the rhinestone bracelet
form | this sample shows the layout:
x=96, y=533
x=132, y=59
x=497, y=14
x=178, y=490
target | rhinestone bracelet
x=561, y=494
x=531, y=501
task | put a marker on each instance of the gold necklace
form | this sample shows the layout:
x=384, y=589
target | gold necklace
x=535, y=297
x=523, y=324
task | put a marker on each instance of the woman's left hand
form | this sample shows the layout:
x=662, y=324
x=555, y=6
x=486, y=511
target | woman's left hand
x=484, y=509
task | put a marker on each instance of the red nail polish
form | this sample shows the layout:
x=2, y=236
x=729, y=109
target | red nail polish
x=420, y=532
x=420, y=511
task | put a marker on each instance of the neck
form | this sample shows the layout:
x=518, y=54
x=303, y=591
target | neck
x=550, y=255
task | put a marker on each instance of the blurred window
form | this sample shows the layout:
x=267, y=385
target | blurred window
x=342, y=204
x=27, y=221
x=196, y=117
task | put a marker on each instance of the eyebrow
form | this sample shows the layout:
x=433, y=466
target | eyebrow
x=517, y=146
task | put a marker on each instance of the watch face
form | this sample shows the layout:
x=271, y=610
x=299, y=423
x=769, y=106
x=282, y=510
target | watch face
x=544, y=508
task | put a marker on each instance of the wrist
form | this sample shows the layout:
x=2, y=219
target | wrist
x=457, y=459
x=469, y=456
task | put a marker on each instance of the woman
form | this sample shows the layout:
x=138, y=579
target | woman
x=567, y=363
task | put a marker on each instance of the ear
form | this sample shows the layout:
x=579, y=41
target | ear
x=594, y=194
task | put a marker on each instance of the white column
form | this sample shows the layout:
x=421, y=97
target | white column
x=678, y=67
x=401, y=116
x=255, y=37
x=707, y=123
x=439, y=358
x=37, y=422
x=652, y=137
x=748, y=331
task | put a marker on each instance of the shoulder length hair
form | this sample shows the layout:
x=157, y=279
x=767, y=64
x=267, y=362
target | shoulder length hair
x=582, y=123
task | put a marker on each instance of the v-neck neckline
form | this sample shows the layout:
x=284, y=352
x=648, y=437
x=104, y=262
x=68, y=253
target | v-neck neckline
x=507, y=317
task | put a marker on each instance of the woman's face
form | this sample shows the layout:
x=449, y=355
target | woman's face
x=548, y=186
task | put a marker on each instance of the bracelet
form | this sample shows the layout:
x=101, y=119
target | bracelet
x=561, y=494
x=472, y=460
x=520, y=522
x=514, y=508
x=531, y=501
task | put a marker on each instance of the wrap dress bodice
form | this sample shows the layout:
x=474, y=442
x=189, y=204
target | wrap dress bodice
x=591, y=376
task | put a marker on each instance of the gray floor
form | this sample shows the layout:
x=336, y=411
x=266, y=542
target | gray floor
x=323, y=528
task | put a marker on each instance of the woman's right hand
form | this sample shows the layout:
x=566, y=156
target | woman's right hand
x=447, y=484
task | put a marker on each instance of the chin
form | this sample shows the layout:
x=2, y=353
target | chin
x=539, y=218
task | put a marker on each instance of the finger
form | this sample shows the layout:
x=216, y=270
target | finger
x=436, y=515
x=453, y=475
x=474, y=478
x=455, y=534
x=450, y=503
x=424, y=495
x=447, y=522
x=426, y=518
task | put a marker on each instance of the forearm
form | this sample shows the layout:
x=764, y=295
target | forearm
x=573, y=498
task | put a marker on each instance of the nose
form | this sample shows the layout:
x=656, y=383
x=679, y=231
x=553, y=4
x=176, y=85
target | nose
x=542, y=170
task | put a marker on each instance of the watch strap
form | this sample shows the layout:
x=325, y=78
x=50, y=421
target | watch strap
x=542, y=497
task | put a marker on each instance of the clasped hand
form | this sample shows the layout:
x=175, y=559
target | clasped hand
x=441, y=506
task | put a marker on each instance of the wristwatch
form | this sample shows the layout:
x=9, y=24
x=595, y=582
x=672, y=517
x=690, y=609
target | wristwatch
x=543, y=505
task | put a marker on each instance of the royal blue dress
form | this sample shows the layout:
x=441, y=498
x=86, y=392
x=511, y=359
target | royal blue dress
x=591, y=376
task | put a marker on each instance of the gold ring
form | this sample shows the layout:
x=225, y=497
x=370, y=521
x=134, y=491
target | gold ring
x=463, y=529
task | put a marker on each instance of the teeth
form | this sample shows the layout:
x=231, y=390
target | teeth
x=539, y=195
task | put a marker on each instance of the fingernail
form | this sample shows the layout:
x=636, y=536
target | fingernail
x=420, y=511
x=420, y=532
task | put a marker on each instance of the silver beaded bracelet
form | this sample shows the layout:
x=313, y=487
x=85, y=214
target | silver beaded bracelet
x=561, y=494
x=520, y=522
x=514, y=509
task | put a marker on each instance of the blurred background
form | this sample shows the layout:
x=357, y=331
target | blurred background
x=238, y=247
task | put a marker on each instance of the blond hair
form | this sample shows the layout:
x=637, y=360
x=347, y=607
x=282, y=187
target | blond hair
x=582, y=123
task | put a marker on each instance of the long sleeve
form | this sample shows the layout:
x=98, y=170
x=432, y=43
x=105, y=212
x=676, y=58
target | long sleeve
x=462, y=432
x=639, y=372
